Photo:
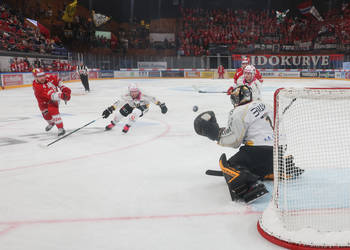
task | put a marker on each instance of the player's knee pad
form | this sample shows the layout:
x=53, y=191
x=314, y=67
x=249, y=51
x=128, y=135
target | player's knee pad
x=126, y=110
x=135, y=114
x=45, y=113
x=53, y=109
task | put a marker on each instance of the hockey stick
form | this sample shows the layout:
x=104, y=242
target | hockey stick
x=288, y=106
x=206, y=91
x=72, y=132
x=214, y=172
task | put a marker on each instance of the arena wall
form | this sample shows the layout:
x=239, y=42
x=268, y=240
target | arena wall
x=15, y=80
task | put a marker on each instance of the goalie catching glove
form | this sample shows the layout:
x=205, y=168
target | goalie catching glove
x=205, y=124
x=163, y=108
x=108, y=111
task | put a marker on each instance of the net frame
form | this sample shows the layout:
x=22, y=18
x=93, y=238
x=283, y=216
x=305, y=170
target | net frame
x=273, y=225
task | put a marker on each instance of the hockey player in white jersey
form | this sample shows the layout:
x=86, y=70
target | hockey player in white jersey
x=249, y=123
x=134, y=104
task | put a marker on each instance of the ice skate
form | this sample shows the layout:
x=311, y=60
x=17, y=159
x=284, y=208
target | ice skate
x=126, y=128
x=61, y=131
x=110, y=126
x=49, y=127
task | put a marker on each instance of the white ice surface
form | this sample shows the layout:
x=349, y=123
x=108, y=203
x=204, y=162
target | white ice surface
x=105, y=190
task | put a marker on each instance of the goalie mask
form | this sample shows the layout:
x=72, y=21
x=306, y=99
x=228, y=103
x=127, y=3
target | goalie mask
x=241, y=95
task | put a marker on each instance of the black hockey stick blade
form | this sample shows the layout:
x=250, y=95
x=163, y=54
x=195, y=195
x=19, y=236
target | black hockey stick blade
x=214, y=172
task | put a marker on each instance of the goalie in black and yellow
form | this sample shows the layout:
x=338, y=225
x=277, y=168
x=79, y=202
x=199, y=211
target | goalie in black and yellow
x=249, y=123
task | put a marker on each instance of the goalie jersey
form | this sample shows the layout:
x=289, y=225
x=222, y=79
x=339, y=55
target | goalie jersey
x=249, y=124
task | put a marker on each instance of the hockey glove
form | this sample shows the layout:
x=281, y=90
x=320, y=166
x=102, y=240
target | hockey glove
x=66, y=94
x=163, y=108
x=205, y=124
x=108, y=111
x=230, y=90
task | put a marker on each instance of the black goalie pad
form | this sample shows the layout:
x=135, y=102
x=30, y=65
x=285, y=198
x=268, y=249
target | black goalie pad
x=241, y=183
x=205, y=124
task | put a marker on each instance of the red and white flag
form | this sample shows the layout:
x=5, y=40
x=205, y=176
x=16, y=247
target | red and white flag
x=307, y=8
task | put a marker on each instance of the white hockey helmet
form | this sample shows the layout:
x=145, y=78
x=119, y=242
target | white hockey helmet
x=241, y=95
x=249, y=69
x=133, y=88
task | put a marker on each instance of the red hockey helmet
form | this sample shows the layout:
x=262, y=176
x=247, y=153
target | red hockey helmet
x=37, y=72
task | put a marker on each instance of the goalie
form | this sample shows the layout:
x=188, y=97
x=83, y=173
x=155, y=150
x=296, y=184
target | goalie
x=134, y=104
x=249, y=123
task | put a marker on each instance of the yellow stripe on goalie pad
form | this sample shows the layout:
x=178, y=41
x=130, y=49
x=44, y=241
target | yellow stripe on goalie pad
x=229, y=172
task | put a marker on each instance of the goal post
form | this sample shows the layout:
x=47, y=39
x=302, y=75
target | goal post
x=310, y=207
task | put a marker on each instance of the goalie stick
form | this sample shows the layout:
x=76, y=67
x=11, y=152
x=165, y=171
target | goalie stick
x=206, y=91
x=214, y=172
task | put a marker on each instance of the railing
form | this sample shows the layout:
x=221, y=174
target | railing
x=115, y=62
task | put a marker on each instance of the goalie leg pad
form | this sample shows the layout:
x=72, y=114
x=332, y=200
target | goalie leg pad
x=126, y=110
x=205, y=124
x=242, y=184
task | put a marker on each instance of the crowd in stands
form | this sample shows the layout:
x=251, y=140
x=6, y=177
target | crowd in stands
x=26, y=65
x=203, y=28
x=17, y=34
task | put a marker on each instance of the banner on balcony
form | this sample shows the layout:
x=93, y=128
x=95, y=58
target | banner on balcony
x=293, y=61
x=99, y=19
x=307, y=8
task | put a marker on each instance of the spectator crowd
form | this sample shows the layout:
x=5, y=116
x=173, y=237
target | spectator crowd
x=202, y=28
x=25, y=65
x=16, y=34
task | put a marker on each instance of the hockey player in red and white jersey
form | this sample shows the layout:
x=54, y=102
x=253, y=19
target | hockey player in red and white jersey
x=250, y=80
x=134, y=104
x=249, y=123
x=240, y=72
x=49, y=90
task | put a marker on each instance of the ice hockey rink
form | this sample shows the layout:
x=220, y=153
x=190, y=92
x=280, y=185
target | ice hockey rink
x=106, y=190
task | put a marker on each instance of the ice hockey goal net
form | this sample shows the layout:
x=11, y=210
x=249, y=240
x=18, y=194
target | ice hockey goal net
x=310, y=207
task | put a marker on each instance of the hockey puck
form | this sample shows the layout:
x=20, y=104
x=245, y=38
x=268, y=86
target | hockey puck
x=195, y=108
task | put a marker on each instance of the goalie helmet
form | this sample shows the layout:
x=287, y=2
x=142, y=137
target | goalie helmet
x=241, y=95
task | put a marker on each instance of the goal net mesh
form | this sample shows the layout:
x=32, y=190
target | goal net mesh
x=311, y=197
